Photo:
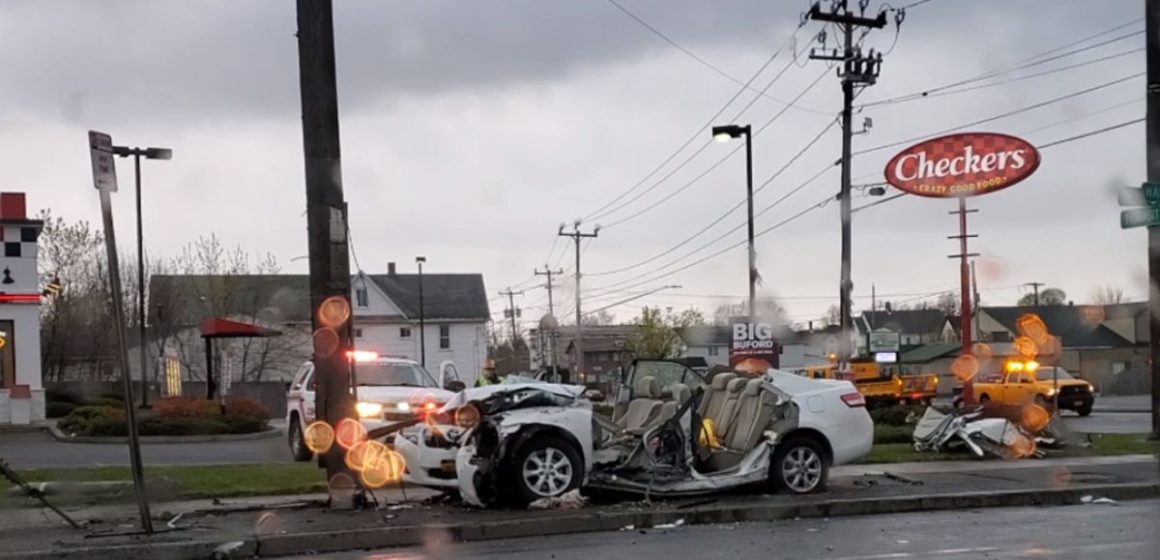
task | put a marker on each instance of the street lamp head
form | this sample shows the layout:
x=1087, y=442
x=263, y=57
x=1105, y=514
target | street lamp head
x=420, y=259
x=158, y=153
x=725, y=133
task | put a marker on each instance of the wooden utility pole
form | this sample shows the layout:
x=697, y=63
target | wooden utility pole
x=1152, y=136
x=1035, y=286
x=576, y=236
x=327, y=236
x=857, y=71
x=512, y=312
x=552, y=312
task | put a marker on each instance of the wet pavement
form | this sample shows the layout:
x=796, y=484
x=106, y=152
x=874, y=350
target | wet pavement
x=1124, y=531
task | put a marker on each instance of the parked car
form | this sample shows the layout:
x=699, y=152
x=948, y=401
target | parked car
x=389, y=390
x=671, y=434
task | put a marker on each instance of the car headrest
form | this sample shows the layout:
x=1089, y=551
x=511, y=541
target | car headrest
x=678, y=392
x=736, y=386
x=753, y=387
x=721, y=380
x=646, y=387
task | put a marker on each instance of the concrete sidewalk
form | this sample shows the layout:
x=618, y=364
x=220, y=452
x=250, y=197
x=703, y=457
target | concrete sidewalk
x=299, y=524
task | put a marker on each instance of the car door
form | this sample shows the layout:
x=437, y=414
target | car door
x=309, y=388
x=295, y=396
x=1019, y=389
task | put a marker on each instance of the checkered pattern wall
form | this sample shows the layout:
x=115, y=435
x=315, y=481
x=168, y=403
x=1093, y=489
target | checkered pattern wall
x=19, y=241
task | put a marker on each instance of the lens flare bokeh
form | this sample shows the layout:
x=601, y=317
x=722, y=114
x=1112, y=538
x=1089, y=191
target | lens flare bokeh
x=965, y=367
x=325, y=341
x=364, y=453
x=318, y=436
x=1026, y=347
x=1033, y=327
x=349, y=432
x=334, y=311
x=383, y=469
x=1034, y=418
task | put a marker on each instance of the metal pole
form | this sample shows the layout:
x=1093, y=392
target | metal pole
x=422, y=322
x=749, y=200
x=847, y=134
x=1152, y=134
x=964, y=280
x=579, y=323
x=141, y=283
x=552, y=333
x=123, y=355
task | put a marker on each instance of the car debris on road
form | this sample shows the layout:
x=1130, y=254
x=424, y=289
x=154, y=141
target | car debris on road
x=989, y=431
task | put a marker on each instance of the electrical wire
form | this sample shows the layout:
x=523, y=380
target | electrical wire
x=705, y=63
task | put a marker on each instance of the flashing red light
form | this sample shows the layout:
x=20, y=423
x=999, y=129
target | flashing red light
x=362, y=355
x=916, y=396
x=429, y=406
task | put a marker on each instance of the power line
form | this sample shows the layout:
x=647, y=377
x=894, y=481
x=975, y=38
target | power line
x=1082, y=116
x=705, y=63
x=1091, y=133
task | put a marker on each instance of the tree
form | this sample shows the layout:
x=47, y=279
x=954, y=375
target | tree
x=655, y=336
x=833, y=316
x=949, y=303
x=1048, y=296
x=1108, y=295
x=598, y=319
x=768, y=310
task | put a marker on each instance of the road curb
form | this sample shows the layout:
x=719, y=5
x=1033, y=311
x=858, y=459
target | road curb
x=269, y=433
x=586, y=522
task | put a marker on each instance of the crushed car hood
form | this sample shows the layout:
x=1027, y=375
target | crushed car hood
x=480, y=393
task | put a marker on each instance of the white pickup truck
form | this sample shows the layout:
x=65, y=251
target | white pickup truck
x=389, y=390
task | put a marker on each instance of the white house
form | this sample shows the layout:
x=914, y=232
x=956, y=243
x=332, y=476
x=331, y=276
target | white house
x=386, y=310
x=21, y=387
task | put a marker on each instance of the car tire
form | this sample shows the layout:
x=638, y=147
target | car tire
x=984, y=398
x=298, y=448
x=799, y=466
x=546, y=467
x=1084, y=410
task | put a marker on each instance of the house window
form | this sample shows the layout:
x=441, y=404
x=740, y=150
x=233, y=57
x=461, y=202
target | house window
x=357, y=333
x=444, y=337
x=405, y=333
x=714, y=351
x=1000, y=336
x=360, y=296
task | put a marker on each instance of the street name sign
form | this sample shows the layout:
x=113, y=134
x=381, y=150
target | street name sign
x=1140, y=217
x=104, y=168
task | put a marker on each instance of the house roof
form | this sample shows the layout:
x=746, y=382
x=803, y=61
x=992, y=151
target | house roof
x=706, y=335
x=225, y=328
x=1075, y=327
x=930, y=352
x=905, y=321
x=1124, y=310
x=285, y=298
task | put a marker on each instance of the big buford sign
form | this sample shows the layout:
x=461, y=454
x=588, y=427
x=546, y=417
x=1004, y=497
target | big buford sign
x=753, y=349
x=965, y=164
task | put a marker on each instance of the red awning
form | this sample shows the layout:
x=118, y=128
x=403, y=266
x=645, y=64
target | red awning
x=225, y=328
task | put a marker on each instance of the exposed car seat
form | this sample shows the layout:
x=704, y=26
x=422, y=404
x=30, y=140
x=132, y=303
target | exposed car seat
x=754, y=410
x=677, y=395
x=714, y=397
x=723, y=421
x=644, y=408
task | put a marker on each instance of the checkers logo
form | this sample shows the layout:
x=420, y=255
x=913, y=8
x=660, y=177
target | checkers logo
x=967, y=164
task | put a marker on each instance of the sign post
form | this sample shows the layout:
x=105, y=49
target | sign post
x=105, y=180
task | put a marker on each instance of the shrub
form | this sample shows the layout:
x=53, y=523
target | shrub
x=235, y=424
x=185, y=407
x=114, y=397
x=58, y=409
x=103, y=402
x=247, y=407
x=107, y=427
x=79, y=420
x=885, y=433
x=896, y=415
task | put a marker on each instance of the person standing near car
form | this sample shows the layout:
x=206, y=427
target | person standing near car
x=489, y=376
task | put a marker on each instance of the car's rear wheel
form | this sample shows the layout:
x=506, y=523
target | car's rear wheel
x=800, y=466
x=298, y=448
x=546, y=467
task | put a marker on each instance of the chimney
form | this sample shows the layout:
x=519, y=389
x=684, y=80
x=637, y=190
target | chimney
x=390, y=269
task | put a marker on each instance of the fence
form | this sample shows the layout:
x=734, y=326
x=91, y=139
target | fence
x=272, y=394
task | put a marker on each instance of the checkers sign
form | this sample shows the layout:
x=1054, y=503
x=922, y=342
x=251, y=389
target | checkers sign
x=960, y=165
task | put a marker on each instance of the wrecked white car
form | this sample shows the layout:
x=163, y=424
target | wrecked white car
x=671, y=434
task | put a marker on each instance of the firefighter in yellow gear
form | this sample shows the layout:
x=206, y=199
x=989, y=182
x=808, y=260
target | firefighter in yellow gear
x=489, y=376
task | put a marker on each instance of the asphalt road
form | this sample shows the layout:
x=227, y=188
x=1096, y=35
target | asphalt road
x=1101, y=422
x=1125, y=531
x=39, y=450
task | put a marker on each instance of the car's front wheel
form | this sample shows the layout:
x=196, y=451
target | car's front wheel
x=547, y=467
x=799, y=466
x=298, y=448
x=1084, y=409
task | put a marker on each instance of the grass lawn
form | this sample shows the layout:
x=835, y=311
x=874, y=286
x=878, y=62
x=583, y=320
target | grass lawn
x=201, y=481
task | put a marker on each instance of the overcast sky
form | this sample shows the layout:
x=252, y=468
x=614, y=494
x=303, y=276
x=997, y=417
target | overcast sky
x=471, y=130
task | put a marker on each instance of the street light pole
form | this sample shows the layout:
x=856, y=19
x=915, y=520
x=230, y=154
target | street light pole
x=136, y=153
x=422, y=316
x=723, y=134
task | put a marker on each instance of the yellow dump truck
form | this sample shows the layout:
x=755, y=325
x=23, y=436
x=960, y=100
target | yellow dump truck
x=880, y=387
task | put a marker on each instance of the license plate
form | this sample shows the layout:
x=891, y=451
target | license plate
x=448, y=466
